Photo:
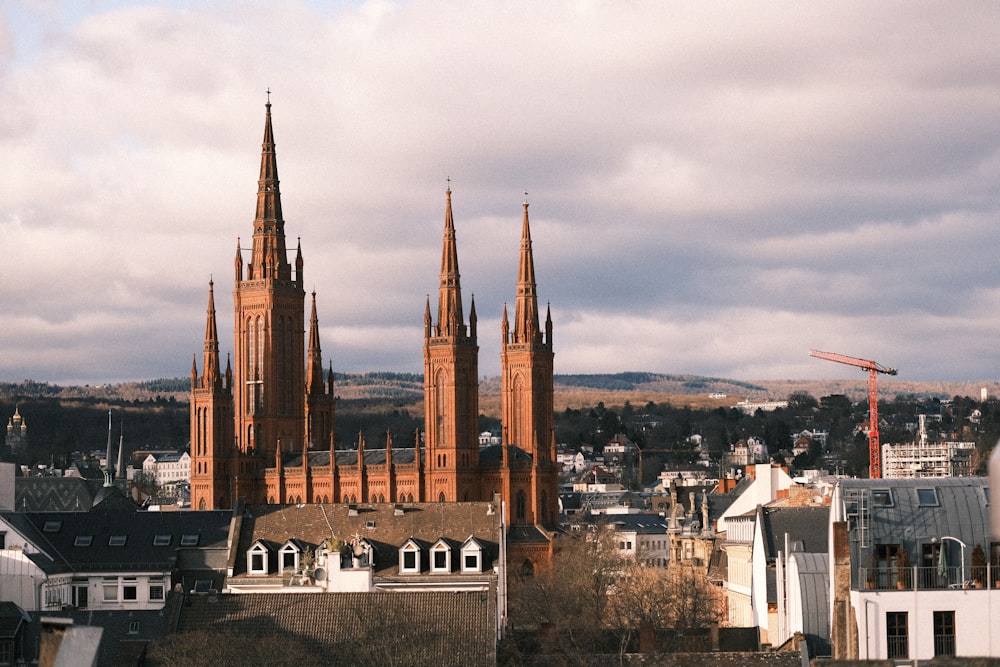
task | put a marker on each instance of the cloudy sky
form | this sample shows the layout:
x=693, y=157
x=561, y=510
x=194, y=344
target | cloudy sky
x=714, y=188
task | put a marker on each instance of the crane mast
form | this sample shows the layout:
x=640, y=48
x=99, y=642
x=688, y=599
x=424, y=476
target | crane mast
x=873, y=368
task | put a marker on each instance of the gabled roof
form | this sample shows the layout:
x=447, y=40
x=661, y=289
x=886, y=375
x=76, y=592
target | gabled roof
x=807, y=529
x=55, y=494
x=378, y=523
x=64, y=552
x=962, y=510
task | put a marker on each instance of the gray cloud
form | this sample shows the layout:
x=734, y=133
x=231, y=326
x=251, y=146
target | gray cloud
x=713, y=188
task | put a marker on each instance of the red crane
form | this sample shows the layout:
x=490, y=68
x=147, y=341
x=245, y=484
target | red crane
x=873, y=368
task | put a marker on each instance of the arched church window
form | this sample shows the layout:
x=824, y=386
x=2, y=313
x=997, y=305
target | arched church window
x=441, y=497
x=522, y=503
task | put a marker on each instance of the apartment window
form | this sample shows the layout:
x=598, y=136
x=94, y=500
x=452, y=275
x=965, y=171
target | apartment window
x=3, y=540
x=441, y=558
x=409, y=558
x=110, y=590
x=133, y=627
x=130, y=591
x=156, y=591
x=944, y=633
x=897, y=639
x=471, y=562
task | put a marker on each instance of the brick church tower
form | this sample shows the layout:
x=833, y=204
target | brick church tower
x=451, y=385
x=263, y=429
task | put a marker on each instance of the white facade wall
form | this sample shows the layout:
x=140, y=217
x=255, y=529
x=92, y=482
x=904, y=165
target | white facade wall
x=977, y=621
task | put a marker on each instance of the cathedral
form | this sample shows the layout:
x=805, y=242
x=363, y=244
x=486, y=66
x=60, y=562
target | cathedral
x=262, y=428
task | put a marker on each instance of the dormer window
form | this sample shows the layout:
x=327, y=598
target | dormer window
x=409, y=558
x=472, y=556
x=441, y=556
x=288, y=556
x=258, y=559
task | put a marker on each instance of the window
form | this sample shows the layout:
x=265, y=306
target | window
x=409, y=558
x=133, y=627
x=881, y=497
x=83, y=540
x=162, y=540
x=156, y=591
x=3, y=540
x=130, y=592
x=117, y=540
x=189, y=540
x=440, y=560
x=52, y=526
x=202, y=586
x=944, y=633
x=111, y=591
x=471, y=562
x=897, y=641
x=927, y=498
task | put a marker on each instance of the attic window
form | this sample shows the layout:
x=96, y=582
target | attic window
x=202, y=586
x=369, y=524
x=83, y=540
x=161, y=540
x=117, y=540
x=441, y=557
x=927, y=498
x=189, y=540
x=409, y=558
x=52, y=526
x=881, y=498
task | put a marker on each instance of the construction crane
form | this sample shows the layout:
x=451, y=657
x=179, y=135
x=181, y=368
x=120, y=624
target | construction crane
x=873, y=368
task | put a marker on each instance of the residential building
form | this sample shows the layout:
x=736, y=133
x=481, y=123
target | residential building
x=167, y=469
x=276, y=405
x=762, y=484
x=913, y=569
x=112, y=556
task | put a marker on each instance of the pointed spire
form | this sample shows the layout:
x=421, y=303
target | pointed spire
x=505, y=325
x=238, y=261
x=211, y=375
x=299, y=264
x=473, y=319
x=388, y=448
x=194, y=372
x=270, y=259
x=450, y=321
x=526, y=309
x=427, y=318
x=314, y=361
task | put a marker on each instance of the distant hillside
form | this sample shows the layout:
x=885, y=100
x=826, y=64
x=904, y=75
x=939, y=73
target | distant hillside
x=571, y=389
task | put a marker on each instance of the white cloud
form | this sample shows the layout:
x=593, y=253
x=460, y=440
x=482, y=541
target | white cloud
x=714, y=188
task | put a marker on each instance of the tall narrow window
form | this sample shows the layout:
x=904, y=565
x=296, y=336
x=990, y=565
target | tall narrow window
x=944, y=633
x=897, y=639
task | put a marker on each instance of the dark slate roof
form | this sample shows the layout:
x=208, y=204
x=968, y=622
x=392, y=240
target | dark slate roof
x=814, y=584
x=640, y=523
x=55, y=494
x=962, y=511
x=117, y=517
x=387, y=526
x=414, y=628
x=807, y=529
x=125, y=633
x=11, y=619
x=494, y=454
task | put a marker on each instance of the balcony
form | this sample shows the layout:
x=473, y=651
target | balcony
x=928, y=578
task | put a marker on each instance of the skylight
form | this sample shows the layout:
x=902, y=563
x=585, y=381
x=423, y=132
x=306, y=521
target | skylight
x=117, y=540
x=161, y=540
x=83, y=540
x=52, y=526
x=189, y=540
x=927, y=498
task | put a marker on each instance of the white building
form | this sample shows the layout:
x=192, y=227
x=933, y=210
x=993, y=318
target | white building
x=167, y=469
x=914, y=573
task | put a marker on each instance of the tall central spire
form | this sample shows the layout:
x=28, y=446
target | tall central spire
x=450, y=319
x=269, y=255
x=211, y=361
x=526, y=328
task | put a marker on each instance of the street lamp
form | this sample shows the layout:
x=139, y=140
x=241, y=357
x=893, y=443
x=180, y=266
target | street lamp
x=961, y=544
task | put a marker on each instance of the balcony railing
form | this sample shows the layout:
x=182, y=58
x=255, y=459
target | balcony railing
x=929, y=578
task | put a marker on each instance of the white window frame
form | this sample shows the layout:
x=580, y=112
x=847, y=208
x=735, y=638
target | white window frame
x=441, y=547
x=472, y=548
x=289, y=548
x=258, y=549
x=413, y=548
